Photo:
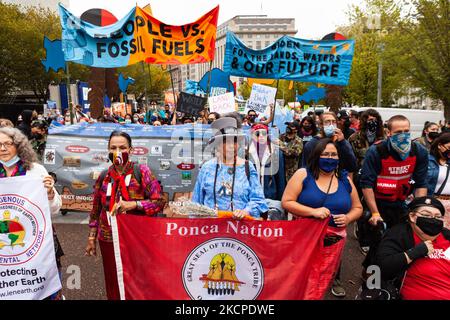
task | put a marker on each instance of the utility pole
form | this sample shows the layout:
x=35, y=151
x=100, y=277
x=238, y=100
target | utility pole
x=380, y=83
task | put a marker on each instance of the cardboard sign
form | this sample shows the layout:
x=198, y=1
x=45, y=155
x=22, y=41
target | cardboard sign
x=260, y=98
x=190, y=104
x=222, y=104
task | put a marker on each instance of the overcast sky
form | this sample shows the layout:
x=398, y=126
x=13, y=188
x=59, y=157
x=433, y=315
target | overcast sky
x=313, y=18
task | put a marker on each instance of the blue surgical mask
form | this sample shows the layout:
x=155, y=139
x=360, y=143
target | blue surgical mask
x=401, y=142
x=11, y=162
x=328, y=164
x=329, y=130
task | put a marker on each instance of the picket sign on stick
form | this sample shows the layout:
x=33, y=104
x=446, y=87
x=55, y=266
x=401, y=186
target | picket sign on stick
x=223, y=103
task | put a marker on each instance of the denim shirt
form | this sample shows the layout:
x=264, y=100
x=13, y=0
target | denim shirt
x=433, y=174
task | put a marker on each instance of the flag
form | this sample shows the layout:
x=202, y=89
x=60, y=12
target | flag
x=215, y=259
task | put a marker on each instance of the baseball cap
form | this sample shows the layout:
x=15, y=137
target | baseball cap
x=426, y=202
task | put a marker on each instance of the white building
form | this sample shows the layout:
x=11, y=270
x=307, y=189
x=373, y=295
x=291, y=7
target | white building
x=256, y=31
x=415, y=100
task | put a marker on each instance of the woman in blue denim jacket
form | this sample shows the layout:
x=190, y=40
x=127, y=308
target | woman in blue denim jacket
x=439, y=173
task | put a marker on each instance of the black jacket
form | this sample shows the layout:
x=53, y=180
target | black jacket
x=391, y=251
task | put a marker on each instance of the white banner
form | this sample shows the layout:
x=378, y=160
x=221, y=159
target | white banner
x=222, y=104
x=260, y=98
x=27, y=255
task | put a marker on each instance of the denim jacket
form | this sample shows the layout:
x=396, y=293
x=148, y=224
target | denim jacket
x=433, y=174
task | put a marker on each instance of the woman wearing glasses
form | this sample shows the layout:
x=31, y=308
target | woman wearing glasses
x=439, y=173
x=414, y=255
x=324, y=191
x=227, y=182
x=268, y=161
x=17, y=158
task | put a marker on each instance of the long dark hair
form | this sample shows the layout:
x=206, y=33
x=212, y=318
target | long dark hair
x=313, y=161
x=372, y=113
x=443, y=138
x=312, y=122
x=117, y=133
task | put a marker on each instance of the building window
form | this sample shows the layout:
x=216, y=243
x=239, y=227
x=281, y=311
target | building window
x=267, y=36
x=250, y=36
x=258, y=45
x=267, y=43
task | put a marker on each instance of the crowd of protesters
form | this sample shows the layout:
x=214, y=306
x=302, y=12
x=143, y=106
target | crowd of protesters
x=345, y=167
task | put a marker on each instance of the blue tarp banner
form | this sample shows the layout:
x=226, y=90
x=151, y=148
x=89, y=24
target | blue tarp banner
x=290, y=58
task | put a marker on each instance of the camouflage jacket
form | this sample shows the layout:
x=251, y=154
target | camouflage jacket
x=359, y=145
x=291, y=148
x=39, y=147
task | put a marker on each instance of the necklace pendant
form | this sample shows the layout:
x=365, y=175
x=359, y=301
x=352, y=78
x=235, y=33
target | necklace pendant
x=230, y=170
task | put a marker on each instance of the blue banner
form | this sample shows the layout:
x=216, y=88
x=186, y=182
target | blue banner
x=289, y=58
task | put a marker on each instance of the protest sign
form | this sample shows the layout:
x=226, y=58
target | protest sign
x=28, y=268
x=325, y=61
x=190, y=104
x=216, y=91
x=260, y=98
x=217, y=259
x=138, y=37
x=222, y=104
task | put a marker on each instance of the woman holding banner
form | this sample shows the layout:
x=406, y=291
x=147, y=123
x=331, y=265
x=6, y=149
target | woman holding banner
x=324, y=191
x=227, y=182
x=17, y=158
x=125, y=187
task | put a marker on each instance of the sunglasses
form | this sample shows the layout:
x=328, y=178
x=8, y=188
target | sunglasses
x=261, y=133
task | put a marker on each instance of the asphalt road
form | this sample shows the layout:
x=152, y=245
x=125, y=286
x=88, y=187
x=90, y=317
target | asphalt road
x=73, y=231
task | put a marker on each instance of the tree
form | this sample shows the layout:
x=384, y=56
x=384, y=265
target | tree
x=22, y=32
x=370, y=48
x=150, y=77
x=424, y=48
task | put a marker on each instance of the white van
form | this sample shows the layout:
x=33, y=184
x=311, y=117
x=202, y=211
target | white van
x=417, y=117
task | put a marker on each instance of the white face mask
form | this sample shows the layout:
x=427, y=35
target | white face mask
x=11, y=162
x=329, y=130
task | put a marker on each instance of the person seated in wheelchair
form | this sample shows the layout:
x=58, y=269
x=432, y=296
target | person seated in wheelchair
x=415, y=254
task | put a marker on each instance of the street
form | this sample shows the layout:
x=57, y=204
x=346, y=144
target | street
x=72, y=232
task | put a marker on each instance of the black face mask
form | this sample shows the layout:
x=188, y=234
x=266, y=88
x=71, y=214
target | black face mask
x=210, y=121
x=433, y=135
x=431, y=227
x=372, y=126
x=307, y=128
x=37, y=136
x=446, y=154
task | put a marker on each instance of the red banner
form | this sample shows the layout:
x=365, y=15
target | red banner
x=216, y=259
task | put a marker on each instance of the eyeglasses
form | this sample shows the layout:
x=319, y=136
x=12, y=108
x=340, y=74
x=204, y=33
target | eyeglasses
x=261, y=133
x=7, y=144
x=429, y=215
x=329, y=155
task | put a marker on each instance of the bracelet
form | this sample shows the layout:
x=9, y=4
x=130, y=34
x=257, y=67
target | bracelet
x=375, y=214
x=92, y=238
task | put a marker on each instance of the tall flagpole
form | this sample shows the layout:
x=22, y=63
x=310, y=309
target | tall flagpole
x=275, y=102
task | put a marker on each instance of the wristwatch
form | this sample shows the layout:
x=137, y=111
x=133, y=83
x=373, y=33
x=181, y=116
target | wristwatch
x=139, y=205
